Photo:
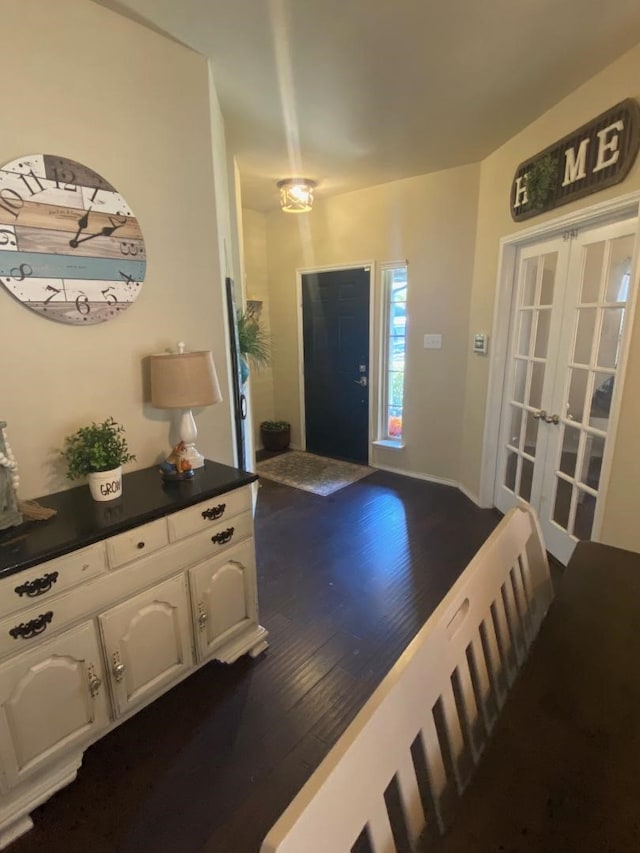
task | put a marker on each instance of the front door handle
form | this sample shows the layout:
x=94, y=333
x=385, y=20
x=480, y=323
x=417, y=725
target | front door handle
x=362, y=381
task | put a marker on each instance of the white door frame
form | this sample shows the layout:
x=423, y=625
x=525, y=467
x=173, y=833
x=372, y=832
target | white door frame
x=622, y=207
x=373, y=367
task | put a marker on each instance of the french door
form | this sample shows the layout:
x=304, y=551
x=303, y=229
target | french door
x=567, y=337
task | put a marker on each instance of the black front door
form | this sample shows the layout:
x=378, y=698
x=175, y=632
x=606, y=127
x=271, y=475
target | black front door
x=335, y=319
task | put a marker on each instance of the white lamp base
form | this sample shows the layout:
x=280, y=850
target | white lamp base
x=188, y=435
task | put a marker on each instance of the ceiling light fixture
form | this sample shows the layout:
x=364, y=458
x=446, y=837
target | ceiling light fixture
x=296, y=195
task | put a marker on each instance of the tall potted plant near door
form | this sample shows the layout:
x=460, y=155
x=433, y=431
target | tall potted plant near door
x=98, y=452
x=253, y=342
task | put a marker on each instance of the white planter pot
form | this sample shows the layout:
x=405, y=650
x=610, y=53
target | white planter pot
x=106, y=485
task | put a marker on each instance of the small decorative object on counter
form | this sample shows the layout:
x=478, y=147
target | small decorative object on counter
x=10, y=515
x=176, y=466
x=98, y=452
x=275, y=435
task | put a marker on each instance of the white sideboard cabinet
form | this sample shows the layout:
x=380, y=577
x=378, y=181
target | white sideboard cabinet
x=106, y=606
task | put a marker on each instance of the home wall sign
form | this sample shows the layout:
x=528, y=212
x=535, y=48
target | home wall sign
x=70, y=247
x=596, y=156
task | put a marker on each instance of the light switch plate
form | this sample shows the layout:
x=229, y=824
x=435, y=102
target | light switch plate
x=480, y=343
x=433, y=341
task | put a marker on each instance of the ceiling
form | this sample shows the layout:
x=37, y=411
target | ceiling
x=354, y=93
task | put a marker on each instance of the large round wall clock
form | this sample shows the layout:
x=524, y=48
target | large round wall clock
x=70, y=247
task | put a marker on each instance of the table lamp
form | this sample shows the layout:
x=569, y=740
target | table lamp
x=185, y=380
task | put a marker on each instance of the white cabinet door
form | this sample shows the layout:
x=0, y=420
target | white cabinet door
x=147, y=641
x=52, y=702
x=224, y=598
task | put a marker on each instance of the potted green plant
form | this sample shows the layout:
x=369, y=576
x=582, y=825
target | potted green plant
x=98, y=452
x=253, y=342
x=275, y=435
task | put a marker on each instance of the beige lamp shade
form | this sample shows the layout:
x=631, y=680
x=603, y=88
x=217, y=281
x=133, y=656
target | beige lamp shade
x=184, y=380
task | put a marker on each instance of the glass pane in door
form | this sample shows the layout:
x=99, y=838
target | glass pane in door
x=562, y=503
x=585, y=514
x=569, y=454
x=592, y=275
x=610, y=337
x=549, y=267
x=530, y=277
x=592, y=461
x=577, y=394
x=542, y=333
x=601, y=400
x=526, y=479
x=584, y=335
x=619, y=269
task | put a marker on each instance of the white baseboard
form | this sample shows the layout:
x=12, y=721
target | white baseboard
x=442, y=481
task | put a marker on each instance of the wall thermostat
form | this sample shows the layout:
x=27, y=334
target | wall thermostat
x=480, y=343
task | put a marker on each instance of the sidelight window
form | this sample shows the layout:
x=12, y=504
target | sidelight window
x=394, y=288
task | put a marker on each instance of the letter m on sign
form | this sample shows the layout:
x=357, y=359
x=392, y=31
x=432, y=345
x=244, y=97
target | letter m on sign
x=575, y=165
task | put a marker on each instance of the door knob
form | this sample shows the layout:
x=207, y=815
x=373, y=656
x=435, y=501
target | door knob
x=362, y=381
x=541, y=414
x=118, y=671
x=94, y=685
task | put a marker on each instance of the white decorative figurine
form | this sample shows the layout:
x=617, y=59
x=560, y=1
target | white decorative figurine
x=9, y=480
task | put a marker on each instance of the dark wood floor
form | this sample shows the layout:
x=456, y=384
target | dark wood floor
x=344, y=582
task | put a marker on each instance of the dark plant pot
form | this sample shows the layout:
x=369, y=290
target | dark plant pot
x=275, y=439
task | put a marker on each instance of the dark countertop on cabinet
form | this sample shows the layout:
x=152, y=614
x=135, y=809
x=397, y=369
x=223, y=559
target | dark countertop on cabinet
x=81, y=521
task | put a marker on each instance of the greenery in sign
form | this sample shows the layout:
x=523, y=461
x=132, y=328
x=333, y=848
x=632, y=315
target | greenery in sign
x=540, y=180
x=253, y=341
x=99, y=447
x=274, y=426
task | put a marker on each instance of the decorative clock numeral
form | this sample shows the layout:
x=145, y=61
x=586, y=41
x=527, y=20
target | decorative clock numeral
x=82, y=304
x=21, y=272
x=11, y=201
x=65, y=180
x=7, y=237
x=56, y=291
x=25, y=180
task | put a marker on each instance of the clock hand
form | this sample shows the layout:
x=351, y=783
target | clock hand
x=82, y=224
x=107, y=231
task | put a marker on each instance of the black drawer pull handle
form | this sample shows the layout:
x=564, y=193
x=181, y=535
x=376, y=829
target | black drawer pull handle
x=214, y=513
x=223, y=537
x=140, y=545
x=36, y=626
x=37, y=586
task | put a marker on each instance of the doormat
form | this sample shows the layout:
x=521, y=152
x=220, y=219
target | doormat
x=311, y=473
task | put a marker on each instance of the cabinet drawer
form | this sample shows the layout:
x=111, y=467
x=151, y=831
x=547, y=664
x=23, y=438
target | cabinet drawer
x=23, y=630
x=137, y=543
x=46, y=580
x=221, y=537
x=208, y=514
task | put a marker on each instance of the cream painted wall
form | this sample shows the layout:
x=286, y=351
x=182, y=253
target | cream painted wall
x=618, y=81
x=260, y=386
x=428, y=220
x=91, y=85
